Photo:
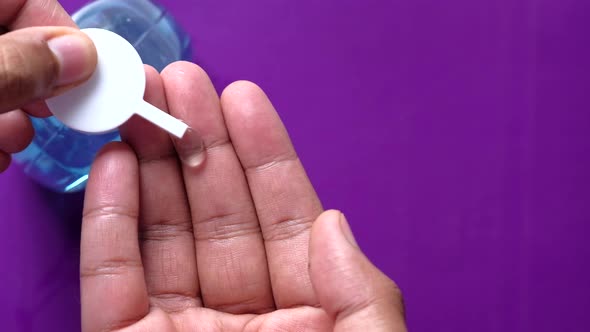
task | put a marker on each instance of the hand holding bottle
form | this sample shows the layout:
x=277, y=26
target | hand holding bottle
x=38, y=60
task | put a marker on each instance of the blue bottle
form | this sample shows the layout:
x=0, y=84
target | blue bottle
x=60, y=158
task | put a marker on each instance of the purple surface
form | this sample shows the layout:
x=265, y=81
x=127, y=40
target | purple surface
x=454, y=134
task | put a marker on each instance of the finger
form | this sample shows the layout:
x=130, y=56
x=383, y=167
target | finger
x=113, y=289
x=230, y=251
x=351, y=289
x=4, y=161
x=38, y=109
x=285, y=200
x=16, y=131
x=36, y=63
x=166, y=231
x=18, y=14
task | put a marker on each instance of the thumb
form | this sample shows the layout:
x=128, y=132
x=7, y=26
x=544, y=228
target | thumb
x=350, y=288
x=37, y=63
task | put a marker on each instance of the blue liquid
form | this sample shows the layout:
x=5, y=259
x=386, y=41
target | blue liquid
x=60, y=158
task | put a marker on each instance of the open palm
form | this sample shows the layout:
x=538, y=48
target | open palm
x=233, y=238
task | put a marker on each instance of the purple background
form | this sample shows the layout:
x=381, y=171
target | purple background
x=454, y=134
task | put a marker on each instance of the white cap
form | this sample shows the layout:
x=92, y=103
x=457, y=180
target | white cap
x=113, y=93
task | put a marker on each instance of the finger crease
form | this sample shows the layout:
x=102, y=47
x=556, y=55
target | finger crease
x=285, y=229
x=175, y=302
x=165, y=231
x=110, y=211
x=216, y=144
x=165, y=157
x=244, y=306
x=111, y=267
x=277, y=161
x=227, y=226
x=119, y=325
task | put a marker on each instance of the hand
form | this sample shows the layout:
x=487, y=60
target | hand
x=232, y=239
x=36, y=63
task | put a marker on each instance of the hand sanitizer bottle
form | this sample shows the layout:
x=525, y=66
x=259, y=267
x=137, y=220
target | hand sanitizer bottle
x=59, y=158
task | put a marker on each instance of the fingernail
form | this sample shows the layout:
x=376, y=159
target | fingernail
x=76, y=56
x=346, y=231
x=190, y=149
